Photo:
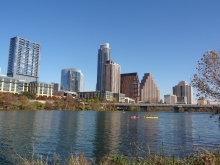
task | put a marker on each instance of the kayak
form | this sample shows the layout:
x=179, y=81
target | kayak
x=153, y=117
x=134, y=117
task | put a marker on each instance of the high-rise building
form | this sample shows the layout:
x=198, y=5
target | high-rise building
x=24, y=59
x=103, y=56
x=183, y=90
x=149, y=91
x=72, y=80
x=112, y=77
x=130, y=85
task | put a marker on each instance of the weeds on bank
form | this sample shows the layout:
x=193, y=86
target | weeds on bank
x=205, y=158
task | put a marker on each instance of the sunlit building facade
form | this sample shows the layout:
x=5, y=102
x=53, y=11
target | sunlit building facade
x=41, y=88
x=72, y=80
x=105, y=95
x=112, y=76
x=149, y=92
x=12, y=85
x=183, y=90
x=170, y=99
x=24, y=59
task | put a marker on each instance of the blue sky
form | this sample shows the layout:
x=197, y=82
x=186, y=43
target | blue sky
x=165, y=38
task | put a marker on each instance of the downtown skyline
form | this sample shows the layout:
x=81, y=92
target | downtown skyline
x=167, y=44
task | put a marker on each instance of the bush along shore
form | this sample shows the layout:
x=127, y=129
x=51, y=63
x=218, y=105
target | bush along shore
x=205, y=158
x=29, y=101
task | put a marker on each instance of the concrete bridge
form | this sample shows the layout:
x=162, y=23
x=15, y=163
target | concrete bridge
x=175, y=107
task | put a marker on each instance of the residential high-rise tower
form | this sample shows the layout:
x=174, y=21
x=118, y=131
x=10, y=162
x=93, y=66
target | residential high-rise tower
x=149, y=91
x=112, y=76
x=24, y=59
x=103, y=56
x=72, y=80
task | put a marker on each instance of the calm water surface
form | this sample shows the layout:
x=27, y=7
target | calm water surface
x=98, y=133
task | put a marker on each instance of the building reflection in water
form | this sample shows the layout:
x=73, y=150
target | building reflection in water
x=107, y=136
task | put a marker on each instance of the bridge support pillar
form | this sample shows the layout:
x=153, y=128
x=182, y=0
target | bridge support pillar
x=178, y=109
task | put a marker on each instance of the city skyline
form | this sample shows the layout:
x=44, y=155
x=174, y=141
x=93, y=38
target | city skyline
x=167, y=44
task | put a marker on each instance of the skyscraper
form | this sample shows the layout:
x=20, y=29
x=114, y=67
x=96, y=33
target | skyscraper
x=183, y=90
x=112, y=76
x=103, y=56
x=149, y=91
x=130, y=85
x=24, y=59
x=72, y=80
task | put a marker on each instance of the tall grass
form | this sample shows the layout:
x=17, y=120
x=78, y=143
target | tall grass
x=205, y=158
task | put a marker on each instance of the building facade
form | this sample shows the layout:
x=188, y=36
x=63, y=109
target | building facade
x=181, y=100
x=112, y=77
x=12, y=85
x=130, y=85
x=55, y=88
x=41, y=88
x=103, y=56
x=149, y=91
x=72, y=80
x=202, y=101
x=105, y=95
x=170, y=99
x=183, y=90
x=24, y=59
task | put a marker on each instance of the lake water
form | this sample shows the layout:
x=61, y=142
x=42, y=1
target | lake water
x=99, y=133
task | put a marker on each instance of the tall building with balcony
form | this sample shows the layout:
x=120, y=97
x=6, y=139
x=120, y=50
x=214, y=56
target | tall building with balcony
x=103, y=56
x=130, y=85
x=149, y=92
x=24, y=59
x=72, y=80
x=112, y=76
x=183, y=90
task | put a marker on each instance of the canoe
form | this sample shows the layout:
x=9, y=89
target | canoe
x=153, y=117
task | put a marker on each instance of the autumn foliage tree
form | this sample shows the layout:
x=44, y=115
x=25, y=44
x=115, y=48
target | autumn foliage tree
x=207, y=80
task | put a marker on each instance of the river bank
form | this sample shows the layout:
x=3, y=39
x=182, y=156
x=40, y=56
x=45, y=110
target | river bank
x=205, y=158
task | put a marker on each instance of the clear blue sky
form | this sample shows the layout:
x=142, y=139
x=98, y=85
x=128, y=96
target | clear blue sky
x=165, y=38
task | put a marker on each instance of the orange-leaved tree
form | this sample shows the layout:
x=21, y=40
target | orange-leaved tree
x=207, y=80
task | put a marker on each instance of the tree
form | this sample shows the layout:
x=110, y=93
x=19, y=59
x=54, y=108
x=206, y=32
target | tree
x=207, y=80
x=58, y=104
x=1, y=97
x=69, y=102
x=23, y=102
x=48, y=105
x=29, y=95
x=39, y=105
x=7, y=100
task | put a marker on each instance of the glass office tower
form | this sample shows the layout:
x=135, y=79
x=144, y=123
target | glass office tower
x=24, y=59
x=72, y=80
x=103, y=56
